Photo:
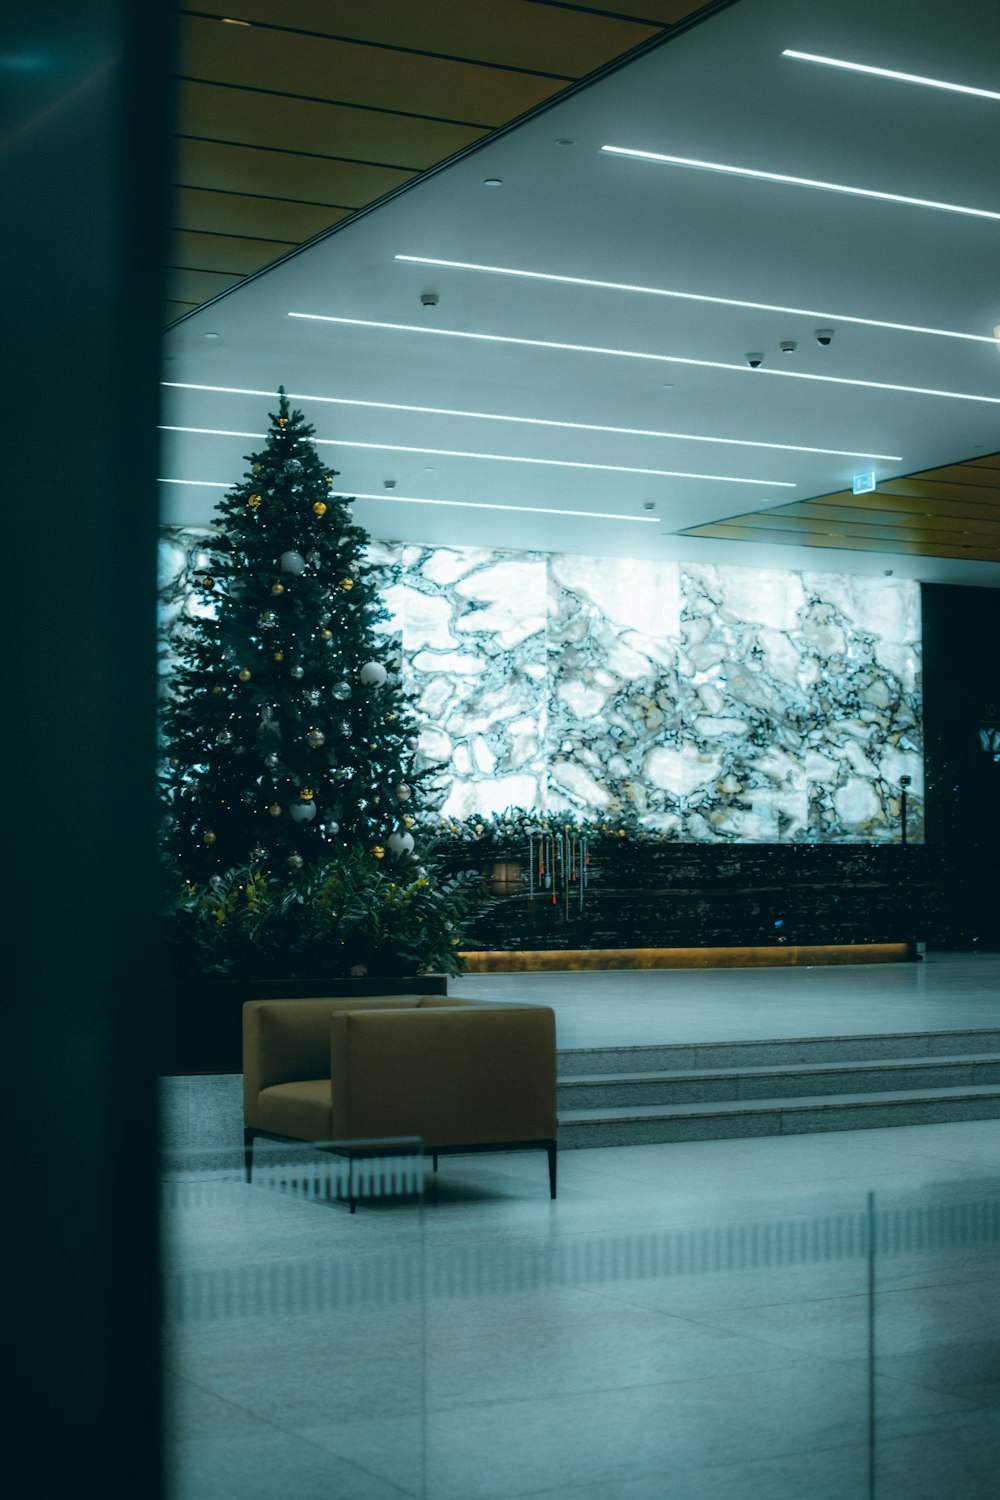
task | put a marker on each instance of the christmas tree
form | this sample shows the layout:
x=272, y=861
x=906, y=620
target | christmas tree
x=287, y=735
x=289, y=746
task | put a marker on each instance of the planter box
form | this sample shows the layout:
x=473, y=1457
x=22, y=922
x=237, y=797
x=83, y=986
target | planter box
x=203, y=1025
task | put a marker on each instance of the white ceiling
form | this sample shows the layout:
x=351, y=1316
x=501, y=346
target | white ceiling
x=720, y=92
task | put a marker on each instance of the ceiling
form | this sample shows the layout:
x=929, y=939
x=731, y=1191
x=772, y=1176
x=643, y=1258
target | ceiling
x=643, y=432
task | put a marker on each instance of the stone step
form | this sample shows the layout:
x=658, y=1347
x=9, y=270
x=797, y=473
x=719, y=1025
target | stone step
x=738, y=1056
x=634, y=1125
x=709, y=1085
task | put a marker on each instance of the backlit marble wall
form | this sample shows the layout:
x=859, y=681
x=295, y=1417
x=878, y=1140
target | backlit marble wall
x=722, y=703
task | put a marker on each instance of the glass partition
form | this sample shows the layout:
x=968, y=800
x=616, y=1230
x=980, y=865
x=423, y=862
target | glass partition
x=486, y=1344
x=294, y=1322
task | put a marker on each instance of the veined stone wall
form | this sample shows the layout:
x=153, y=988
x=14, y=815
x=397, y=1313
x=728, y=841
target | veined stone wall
x=725, y=704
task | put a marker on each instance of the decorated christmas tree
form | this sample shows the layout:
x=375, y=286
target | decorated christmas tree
x=289, y=745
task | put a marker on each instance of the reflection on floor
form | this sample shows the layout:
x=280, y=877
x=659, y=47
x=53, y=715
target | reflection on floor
x=686, y=1322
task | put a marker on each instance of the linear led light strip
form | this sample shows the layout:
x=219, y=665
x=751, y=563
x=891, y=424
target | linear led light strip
x=557, y=463
x=668, y=359
x=490, y=416
x=534, y=510
x=830, y=187
x=656, y=291
x=853, y=67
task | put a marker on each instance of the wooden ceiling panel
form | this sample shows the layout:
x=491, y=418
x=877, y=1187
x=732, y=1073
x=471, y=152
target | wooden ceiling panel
x=280, y=123
x=733, y=532
x=656, y=12
x=330, y=105
x=819, y=510
x=313, y=67
x=508, y=33
x=184, y=285
x=230, y=253
x=235, y=213
x=244, y=169
x=953, y=511
x=971, y=473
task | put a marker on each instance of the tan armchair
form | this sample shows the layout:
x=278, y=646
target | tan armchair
x=464, y=1077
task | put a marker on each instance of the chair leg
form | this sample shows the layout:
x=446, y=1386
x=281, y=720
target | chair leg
x=248, y=1153
x=551, y=1152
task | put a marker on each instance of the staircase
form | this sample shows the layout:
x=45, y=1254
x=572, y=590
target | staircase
x=629, y=1096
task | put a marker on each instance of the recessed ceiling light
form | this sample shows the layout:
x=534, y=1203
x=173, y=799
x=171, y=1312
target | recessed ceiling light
x=788, y=181
x=565, y=140
x=535, y=510
x=492, y=416
x=492, y=182
x=657, y=291
x=669, y=359
x=212, y=335
x=509, y=458
x=853, y=67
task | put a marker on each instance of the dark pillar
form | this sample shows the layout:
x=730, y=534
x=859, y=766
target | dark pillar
x=961, y=628
x=84, y=118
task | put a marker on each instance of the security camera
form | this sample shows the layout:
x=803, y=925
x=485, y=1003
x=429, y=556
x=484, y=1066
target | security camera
x=824, y=336
x=905, y=781
x=788, y=346
x=429, y=299
x=753, y=360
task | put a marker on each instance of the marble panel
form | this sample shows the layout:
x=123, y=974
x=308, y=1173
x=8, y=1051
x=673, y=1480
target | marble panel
x=717, y=703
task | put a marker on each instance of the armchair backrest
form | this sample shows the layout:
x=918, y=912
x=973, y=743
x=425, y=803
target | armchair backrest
x=286, y=1041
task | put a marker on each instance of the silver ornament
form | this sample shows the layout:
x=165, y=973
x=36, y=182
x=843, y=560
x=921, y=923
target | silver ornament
x=292, y=562
x=340, y=691
x=298, y=673
x=373, y=674
x=403, y=792
x=316, y=737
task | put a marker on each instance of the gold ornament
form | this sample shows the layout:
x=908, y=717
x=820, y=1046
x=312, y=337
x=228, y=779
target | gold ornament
x=277, y=588
x=255, y=468
x=208, y=837
x=245, y=675
x=275, y=809
x=295, y=860
x=307, y=794
x=207, y=582
x=407, y=821
x=348, y=583
x=379, y=852
x=279, y=656
x=329, y=480
x=319, y=509
x=327, y=635
x=282, y=421
x=359, y=971
x=389, y=718
x=217, y=689
x=254, y=501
